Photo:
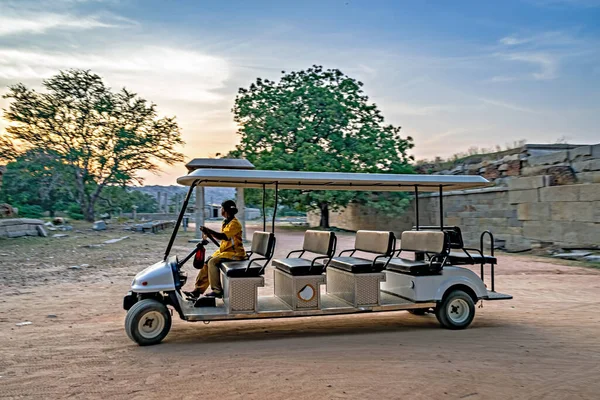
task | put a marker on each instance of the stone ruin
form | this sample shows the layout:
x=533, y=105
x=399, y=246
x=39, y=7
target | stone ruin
x=566, y=164
x=17, y=227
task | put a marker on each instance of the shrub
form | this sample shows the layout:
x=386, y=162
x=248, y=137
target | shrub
x=30, y=211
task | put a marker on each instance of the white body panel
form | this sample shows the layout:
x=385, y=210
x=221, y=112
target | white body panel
x=432, y=287
x=159, y=277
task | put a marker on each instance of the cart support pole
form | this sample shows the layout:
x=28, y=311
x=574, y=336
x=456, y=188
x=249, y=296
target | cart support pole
x=275, y=207
x=263, y=210
x=417, y=206
x=199, y=211
x=441, y=210
x=241, y=205
x=174, y=234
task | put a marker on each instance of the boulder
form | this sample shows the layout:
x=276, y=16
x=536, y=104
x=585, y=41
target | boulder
x=42, y=232
x=99, y=226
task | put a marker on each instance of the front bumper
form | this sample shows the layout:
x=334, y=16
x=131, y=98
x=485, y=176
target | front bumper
x=129, y=300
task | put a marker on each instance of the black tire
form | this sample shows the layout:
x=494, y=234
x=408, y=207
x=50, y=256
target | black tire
x=419, y=311
x=456, y=310
x=159, y=314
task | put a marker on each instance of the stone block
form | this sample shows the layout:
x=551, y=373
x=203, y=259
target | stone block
x=580, y=233
x=549, y=159
x=531, y=182
x=514, y=168
x=543, y=231
x=586, y=165
x=531, y=171
x=517, y=244
x=560, y=175
x=512, y=213
x=492, y=223
x=581, y=151
x=453, y=221
x=515, y=231
x=533, y=211
x=16, y=234
x=491, y=172
x=41, y=231
x=99, y=226
x=596, y=150
x=572, y=211
x=524, y=196
x=513, y=222
x=588, y=177
x=597, y=212
x=495, y=214
x=560, y=193
x=589, y=192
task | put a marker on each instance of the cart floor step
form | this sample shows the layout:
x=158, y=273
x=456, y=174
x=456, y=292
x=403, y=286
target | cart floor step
x=498, y=296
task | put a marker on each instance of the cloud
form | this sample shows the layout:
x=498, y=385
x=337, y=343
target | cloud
x=38, y=23
x=509, y=106
x=546, y=63
x=512, y=40
x=549, y=39
x=503, y=78
x=160, y=72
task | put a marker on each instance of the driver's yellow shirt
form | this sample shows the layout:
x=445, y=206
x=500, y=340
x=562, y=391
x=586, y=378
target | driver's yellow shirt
x=232, y=248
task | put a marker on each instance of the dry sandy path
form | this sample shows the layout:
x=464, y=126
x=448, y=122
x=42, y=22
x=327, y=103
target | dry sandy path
x=542, y=345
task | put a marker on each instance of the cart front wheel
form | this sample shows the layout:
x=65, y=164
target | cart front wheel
x=455, y=311
x=148, y=322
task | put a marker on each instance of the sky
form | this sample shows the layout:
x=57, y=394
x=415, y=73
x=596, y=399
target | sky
x=453, y=75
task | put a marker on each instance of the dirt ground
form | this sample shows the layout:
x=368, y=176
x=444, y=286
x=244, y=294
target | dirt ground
x=544, y=344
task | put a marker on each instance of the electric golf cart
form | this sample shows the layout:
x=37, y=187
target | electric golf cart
x=419, y=272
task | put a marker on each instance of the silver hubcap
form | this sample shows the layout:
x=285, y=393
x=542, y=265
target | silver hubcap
x=151, y=324
x=458, y=311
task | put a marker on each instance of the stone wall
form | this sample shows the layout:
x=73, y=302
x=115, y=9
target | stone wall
x=554, y=201
x=520, y=218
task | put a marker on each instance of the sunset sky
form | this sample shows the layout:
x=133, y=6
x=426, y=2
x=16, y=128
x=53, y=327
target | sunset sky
x=452, y=74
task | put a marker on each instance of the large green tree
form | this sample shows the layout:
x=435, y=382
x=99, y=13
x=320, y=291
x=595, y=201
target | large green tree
x=103, y=137
x=318, y=120
x=37, y=178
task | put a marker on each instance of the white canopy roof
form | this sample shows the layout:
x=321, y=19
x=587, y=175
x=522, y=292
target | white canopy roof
x=330, y=180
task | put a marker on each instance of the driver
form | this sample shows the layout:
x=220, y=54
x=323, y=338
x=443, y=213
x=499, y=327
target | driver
x=231, y=248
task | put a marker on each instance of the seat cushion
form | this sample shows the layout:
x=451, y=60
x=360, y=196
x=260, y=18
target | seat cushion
x=461, y=258
x=237, y=269
x=318, y=242
x=298, y=266
x=376, y=242
x=425, y=241
x=357, y=265
x=411, y=267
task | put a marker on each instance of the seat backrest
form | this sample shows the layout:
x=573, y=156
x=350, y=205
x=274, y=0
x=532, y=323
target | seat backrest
x=263, y=243
x=454, y=234
x=319, y=242
x=378, y=242
x=425, y=241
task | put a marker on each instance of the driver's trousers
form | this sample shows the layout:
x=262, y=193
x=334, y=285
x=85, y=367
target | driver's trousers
x=210, y=274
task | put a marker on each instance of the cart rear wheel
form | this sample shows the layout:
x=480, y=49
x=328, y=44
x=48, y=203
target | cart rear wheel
x=455, y=311
x=148, y=322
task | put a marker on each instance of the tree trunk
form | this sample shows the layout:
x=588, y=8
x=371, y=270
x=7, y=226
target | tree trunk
x=88, y=212
x=324, y=207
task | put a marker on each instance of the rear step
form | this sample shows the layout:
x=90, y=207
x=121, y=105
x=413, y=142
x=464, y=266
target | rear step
x=491, y=295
